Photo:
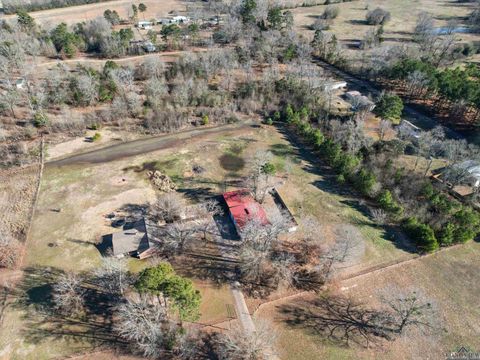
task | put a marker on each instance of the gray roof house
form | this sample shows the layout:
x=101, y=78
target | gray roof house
x=135, y=239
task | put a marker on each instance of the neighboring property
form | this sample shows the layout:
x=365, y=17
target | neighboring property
x=462, y=180
x=359, y=101
x=146, y=25
x=179, y=19
x=242, y=207
x=135, y=240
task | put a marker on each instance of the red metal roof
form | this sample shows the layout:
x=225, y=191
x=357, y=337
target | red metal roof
x=243, y=207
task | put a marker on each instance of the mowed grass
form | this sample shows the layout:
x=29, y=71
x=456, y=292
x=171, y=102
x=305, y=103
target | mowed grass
x=449, y=279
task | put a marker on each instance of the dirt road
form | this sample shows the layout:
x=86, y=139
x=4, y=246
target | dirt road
x=141, y=146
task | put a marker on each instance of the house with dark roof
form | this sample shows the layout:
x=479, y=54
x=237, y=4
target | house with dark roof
x=242, y=208
x=135, y=239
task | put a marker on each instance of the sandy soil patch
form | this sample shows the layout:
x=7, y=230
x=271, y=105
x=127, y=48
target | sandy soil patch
x=83, y=143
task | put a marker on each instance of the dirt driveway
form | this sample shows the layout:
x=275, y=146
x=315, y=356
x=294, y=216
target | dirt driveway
x=141, y=146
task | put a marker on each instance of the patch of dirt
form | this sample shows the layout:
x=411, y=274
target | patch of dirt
x=81, y=143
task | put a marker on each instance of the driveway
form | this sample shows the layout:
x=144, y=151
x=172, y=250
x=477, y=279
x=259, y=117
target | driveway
x=142, y=146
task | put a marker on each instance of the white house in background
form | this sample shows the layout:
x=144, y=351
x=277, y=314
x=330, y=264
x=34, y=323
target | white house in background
x=359, y=101
x=180, y=19
x=336, y=85
x=146, y=25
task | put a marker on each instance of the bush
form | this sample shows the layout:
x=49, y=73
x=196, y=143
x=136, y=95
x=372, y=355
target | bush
x=446, y=235
x=269, y=121
x=365, y=181
x=390, y=106
x=378, y=16
x=40, y=119
x=205, y=120
x=421, y=234
x=96, y=137
x=388, y=203
x=341, y=179
x=346, y=164
x=331, y=12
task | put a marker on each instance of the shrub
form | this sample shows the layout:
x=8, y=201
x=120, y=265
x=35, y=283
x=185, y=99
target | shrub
x=388, y=203
x=421, y=234
x=390, y=106
x=205, y=120
x=365, y=181
x=269, y=121
x=96, y=137
x=40, y=119
x=378, y=16
x=446, y=235
x=331, y=12
x=346, y=164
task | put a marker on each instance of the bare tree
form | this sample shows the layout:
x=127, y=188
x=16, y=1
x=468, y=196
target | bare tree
x=146, y=325
x=379, y=216
x=169, y=207
x=68, y=294
x=240, y=344
x=9, y=99
x=112, y=276
x=178, y=236
x=261, y=173
x=409, y=309
x=384, y=128
x=207, y=210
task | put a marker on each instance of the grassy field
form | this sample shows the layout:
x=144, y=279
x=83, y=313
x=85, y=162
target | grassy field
x=350, y=26
x=74, y=200
x=448, y=278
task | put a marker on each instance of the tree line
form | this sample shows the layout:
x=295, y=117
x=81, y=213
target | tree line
x=430, y=217
x=456, y=91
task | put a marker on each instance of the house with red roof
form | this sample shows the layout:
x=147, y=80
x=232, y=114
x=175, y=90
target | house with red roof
x=242, y=208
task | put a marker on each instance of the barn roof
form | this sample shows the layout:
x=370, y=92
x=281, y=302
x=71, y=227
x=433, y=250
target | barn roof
x=243, y=207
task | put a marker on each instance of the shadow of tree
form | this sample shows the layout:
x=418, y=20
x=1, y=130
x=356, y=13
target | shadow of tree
x=44, y=323
x=339, y=320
